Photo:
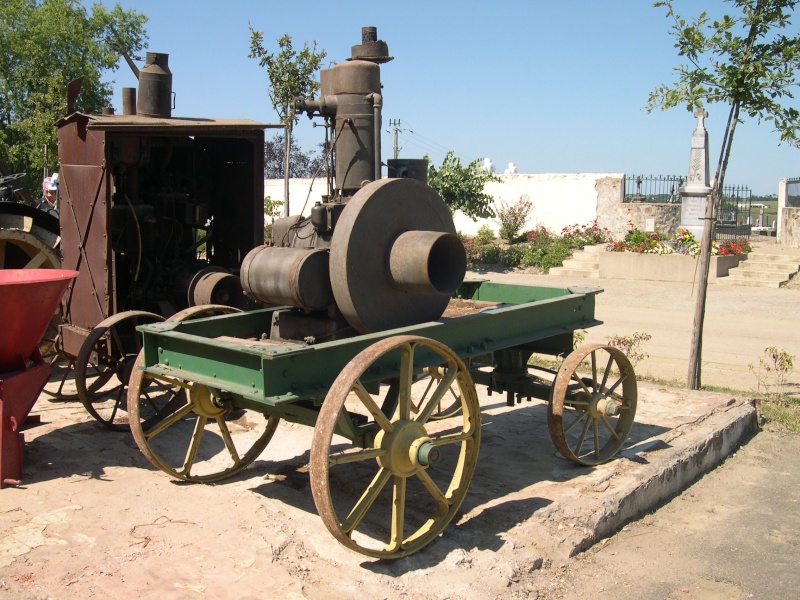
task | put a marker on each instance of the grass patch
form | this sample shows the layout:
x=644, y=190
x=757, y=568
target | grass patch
x=786, y=412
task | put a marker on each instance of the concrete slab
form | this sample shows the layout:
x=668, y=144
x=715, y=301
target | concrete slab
x=678, y=436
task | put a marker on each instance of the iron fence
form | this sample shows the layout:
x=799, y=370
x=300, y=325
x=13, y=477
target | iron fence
x=793, y=192
x=660, y=189
x=734, y=219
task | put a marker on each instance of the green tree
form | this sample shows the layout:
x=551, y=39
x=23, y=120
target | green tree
x=291, y=75
x=303, y=164
x=748, y=63
x=44, y=44
x=461, y=187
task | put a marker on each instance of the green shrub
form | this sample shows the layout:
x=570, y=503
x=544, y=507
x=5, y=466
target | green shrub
x=512, y=217
x=488, y=254
x=511, y=256
x=485, y=235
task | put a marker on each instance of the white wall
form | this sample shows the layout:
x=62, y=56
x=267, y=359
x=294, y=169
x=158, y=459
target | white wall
x=559, y=199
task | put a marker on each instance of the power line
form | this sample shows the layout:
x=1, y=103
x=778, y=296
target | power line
x=395, y=124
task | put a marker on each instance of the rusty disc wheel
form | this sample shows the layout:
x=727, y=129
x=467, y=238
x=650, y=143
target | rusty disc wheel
x=186, y=429
x=386, y=480
x=103, y=366
x=592, y=404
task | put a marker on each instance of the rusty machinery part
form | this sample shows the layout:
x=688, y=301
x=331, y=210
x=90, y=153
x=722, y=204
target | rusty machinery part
x=350, y=95
x=178, y=424
x=288, y=276
x=107, y=355
x=395, y=257
x=393, y=490
x=214, y=285
x=203, y=311
x=592, y=404
x=155, y=97
x=370, y=48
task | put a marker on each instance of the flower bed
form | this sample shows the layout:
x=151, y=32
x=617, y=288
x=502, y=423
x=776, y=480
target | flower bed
x=653, y=256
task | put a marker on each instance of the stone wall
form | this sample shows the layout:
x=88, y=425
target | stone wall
x=790, y=227
x=645, y=216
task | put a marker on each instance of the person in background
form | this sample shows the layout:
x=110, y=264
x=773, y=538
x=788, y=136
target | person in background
x=47, y=202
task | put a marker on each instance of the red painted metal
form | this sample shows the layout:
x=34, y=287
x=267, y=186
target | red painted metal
x=28, y=299
x=18, y=393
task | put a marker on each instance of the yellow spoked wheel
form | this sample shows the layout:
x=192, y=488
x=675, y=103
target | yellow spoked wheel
x=447, y=406
x=188, y=430
x=592, y=404
x=387, y=479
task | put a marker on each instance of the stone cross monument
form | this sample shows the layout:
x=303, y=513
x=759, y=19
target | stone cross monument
x=696, y=190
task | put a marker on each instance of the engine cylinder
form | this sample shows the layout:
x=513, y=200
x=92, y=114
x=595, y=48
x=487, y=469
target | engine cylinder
x=293, y=276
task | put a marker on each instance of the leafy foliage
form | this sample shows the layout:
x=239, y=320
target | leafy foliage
x=485, y=235
x=542, y=248
x=743, y=60
x=512, y=217
x=461, y=187
x=631, y=345
x=272, y=210
x=642, y=242
x=291, y=73
x=45, y=44
x=301, y=164
x=773, y=370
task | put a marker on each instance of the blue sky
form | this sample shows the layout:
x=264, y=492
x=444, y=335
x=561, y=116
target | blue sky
x=554, y=86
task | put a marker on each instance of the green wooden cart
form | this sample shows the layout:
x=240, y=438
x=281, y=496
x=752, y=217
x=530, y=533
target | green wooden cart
x=395, y=414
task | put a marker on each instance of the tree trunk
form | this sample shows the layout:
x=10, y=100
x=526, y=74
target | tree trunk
x=696, y=347
x=286, y=165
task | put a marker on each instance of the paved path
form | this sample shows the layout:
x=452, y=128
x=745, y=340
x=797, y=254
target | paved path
x=740, y=323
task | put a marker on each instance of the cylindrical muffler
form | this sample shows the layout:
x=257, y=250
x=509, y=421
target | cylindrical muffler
x=428, y=262
x=293, y=276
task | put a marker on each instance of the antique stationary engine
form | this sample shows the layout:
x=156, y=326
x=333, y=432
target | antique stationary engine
x=375, y=253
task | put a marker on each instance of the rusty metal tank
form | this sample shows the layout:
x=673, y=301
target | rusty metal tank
x=155, y=87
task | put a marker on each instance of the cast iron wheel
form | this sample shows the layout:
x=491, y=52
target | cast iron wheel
x=392, y=490
x=108, y=353
x=189, y=433
x=592, y=404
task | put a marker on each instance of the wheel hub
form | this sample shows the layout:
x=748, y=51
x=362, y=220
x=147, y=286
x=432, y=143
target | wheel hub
x=203, y=403
x=408, y=449
x=601, y=405
x=124, y=367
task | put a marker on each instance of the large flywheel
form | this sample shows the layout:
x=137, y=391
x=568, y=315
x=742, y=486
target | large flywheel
x=378, y=277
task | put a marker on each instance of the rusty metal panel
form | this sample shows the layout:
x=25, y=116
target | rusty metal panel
x=72, y=338
x=83, y=216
